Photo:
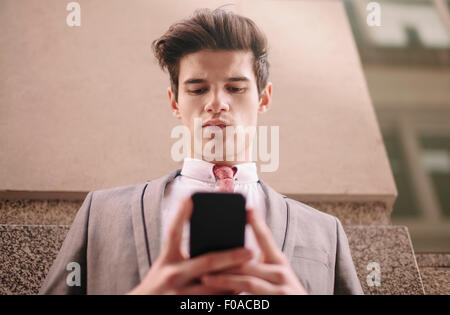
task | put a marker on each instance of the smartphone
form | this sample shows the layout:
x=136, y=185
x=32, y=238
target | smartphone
x=217, y=222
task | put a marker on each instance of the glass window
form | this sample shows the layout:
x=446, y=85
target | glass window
x=410, y=24
x=435, y=157
x=411, y=32
x=403, y=23
x=405, y=205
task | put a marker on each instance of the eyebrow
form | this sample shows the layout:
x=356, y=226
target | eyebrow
x=232, y=79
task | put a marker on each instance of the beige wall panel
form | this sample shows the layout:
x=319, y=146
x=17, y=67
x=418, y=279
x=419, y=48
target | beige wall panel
x=86, y=108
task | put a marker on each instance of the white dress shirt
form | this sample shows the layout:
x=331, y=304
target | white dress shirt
x=198, y=176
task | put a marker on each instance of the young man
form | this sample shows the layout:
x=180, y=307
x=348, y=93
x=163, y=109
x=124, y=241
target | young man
x=131, y=239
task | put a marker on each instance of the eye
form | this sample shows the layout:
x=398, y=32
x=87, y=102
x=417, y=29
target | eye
x=236, y=89
x=198, y=91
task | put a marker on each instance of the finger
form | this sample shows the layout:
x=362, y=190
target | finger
x=172, y=251
x=213, y=262
x=241, y=283
x=264, y=237
x=271, y=273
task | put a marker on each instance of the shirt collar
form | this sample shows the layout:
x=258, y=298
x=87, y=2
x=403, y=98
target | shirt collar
x=203, y=171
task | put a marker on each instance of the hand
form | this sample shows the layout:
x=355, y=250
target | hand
x=272, y=275
x=174, y=273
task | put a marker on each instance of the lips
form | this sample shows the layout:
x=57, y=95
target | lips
x=215, y=122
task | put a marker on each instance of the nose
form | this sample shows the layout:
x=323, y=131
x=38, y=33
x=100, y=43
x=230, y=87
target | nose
x=217, y=104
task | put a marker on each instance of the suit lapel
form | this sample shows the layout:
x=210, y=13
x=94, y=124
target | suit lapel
x=152, y=212
x=277, y=214
x=140, y=239
x=146, y=217
x=147, y=220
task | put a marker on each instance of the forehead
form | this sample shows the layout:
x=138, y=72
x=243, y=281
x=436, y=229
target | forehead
x=216, y=65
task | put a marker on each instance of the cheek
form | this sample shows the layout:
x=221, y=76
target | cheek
x=188, y=108
x=248, y=111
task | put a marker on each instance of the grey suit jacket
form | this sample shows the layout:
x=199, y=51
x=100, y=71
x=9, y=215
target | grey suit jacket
x=116, y=236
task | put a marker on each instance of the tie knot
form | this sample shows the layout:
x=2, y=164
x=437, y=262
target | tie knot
x=224, y=172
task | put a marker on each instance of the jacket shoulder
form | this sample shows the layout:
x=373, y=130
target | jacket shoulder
x=115, y=194
x=310, y=214
x=128, y=192
x=124, y=196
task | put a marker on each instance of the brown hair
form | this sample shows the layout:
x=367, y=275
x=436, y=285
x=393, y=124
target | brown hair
x=216, y=30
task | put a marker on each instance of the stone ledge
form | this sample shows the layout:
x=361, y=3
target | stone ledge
x=435, y=271
x=56, y=212
x=355, y=212
x=27, y=252
x=390, y=247
x=433, y=260
x=436, y=280
x=49, y=212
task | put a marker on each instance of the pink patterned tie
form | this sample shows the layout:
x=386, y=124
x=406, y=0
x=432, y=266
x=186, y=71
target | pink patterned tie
x=225, y=176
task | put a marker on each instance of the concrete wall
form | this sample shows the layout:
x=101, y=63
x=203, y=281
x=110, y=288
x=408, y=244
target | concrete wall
x=85, y=108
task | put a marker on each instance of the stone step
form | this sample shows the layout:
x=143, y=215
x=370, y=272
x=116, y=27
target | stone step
x=38, y=211
x=26, y=254
x=62, y=211
x=435, y=271
x=383, y=257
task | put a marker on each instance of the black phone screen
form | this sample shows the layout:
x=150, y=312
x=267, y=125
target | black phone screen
x=217, y=222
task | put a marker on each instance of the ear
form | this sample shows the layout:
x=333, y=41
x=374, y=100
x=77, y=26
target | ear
x=173, y=103
x=266, y=99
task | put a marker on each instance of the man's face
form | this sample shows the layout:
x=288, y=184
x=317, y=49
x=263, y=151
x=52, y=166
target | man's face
x=219, y=87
